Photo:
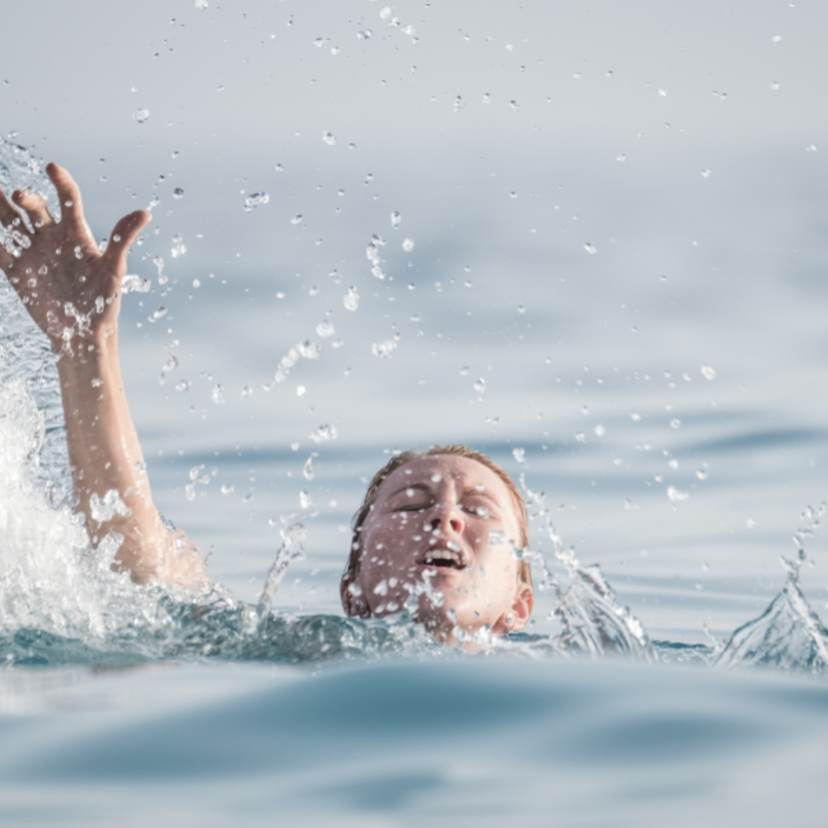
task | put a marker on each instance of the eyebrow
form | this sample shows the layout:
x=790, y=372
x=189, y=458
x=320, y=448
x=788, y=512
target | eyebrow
x=475, y=492
x=423, y=487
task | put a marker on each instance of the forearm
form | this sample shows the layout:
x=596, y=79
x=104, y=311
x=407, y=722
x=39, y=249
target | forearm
x=105, y=455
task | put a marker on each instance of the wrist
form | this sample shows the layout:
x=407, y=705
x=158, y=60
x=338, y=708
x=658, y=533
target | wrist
x=102, y=341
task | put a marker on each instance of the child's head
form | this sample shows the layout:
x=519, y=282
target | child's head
x=444, y=517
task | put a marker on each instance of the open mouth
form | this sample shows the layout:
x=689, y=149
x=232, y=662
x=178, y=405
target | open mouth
x=444, y=559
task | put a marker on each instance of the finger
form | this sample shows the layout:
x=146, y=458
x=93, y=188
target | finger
x=69, y=193
x=123, y=235
x=35, y=207
x=8, y=212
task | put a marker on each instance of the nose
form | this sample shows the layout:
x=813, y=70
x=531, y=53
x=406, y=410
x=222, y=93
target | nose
x=447, y=516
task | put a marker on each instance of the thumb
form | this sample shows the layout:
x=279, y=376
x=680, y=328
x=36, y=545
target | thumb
x=123, y=235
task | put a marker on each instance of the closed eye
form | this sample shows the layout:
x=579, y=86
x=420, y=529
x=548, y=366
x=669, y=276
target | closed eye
x=413, y=507
x=477, y=509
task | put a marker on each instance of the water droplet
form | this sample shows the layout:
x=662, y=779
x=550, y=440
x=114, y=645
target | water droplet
x=396, y=218
x=307, y=470
x=497, y=537
x=487, y=98
x=182, y=385
x=468, y=283
x=351, y=300
x=774, y=85
x=301, y=390
x=600, y=430
x=384, y=349
x=365, y=34
x=135, y=284
x=323, y=434
x=329, y=138
x=201, y=5
x=521, y=309
x=141, y=115
x=178, y=247
x=226, y=490
x=662, y=93
x=776, y=38
x=386, y=12
x=309, y=349
x=705, y=173
x=675, y=495
x=297, y=219
x=701, y=474
x=325, y=328
x=480, y=386
x=519, y=454
x=514, y=104
x=621, y=157
x=254, y=200
x=355, y=590
x=305, y=500
x=381, y=588
x=178, y=193
x=709, y=372
x=436, y=478
x=408, y=245
x=161, y=312
x=591, y=249
x=675, y=423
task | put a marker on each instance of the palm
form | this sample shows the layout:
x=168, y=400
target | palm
x=69, y=287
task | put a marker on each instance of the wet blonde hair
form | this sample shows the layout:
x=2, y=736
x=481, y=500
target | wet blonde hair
x=352, y=567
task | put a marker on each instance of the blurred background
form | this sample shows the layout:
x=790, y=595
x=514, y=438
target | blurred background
x=588, y=238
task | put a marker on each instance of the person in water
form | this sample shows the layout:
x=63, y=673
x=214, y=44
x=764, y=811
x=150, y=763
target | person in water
x=441, y=525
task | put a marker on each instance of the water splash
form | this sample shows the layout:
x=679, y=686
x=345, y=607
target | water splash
x=591, y=617
x=292, y=549
x=21, y=170
x=788, y=635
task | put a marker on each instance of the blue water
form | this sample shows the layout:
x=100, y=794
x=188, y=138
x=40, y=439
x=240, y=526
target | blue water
x=132, y=704
x=663, y=393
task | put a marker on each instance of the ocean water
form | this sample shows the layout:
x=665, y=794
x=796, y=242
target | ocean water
x=683, y=680
x=631, y=324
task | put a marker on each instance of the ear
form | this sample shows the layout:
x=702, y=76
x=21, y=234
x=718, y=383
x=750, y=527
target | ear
x=353, y=605
x=521, y=608
x=344, y=595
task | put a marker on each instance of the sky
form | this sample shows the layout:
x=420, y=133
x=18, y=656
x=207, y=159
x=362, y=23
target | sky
x=604, y=197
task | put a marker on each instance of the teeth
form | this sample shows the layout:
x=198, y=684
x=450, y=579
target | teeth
x=442, y=555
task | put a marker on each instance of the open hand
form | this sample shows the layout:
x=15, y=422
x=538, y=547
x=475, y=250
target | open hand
x=70, y=288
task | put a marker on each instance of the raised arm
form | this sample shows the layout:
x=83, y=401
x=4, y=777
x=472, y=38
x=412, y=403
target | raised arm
x=73, y=292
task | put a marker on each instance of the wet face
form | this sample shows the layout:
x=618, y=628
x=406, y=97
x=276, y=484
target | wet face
x=441, y=527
